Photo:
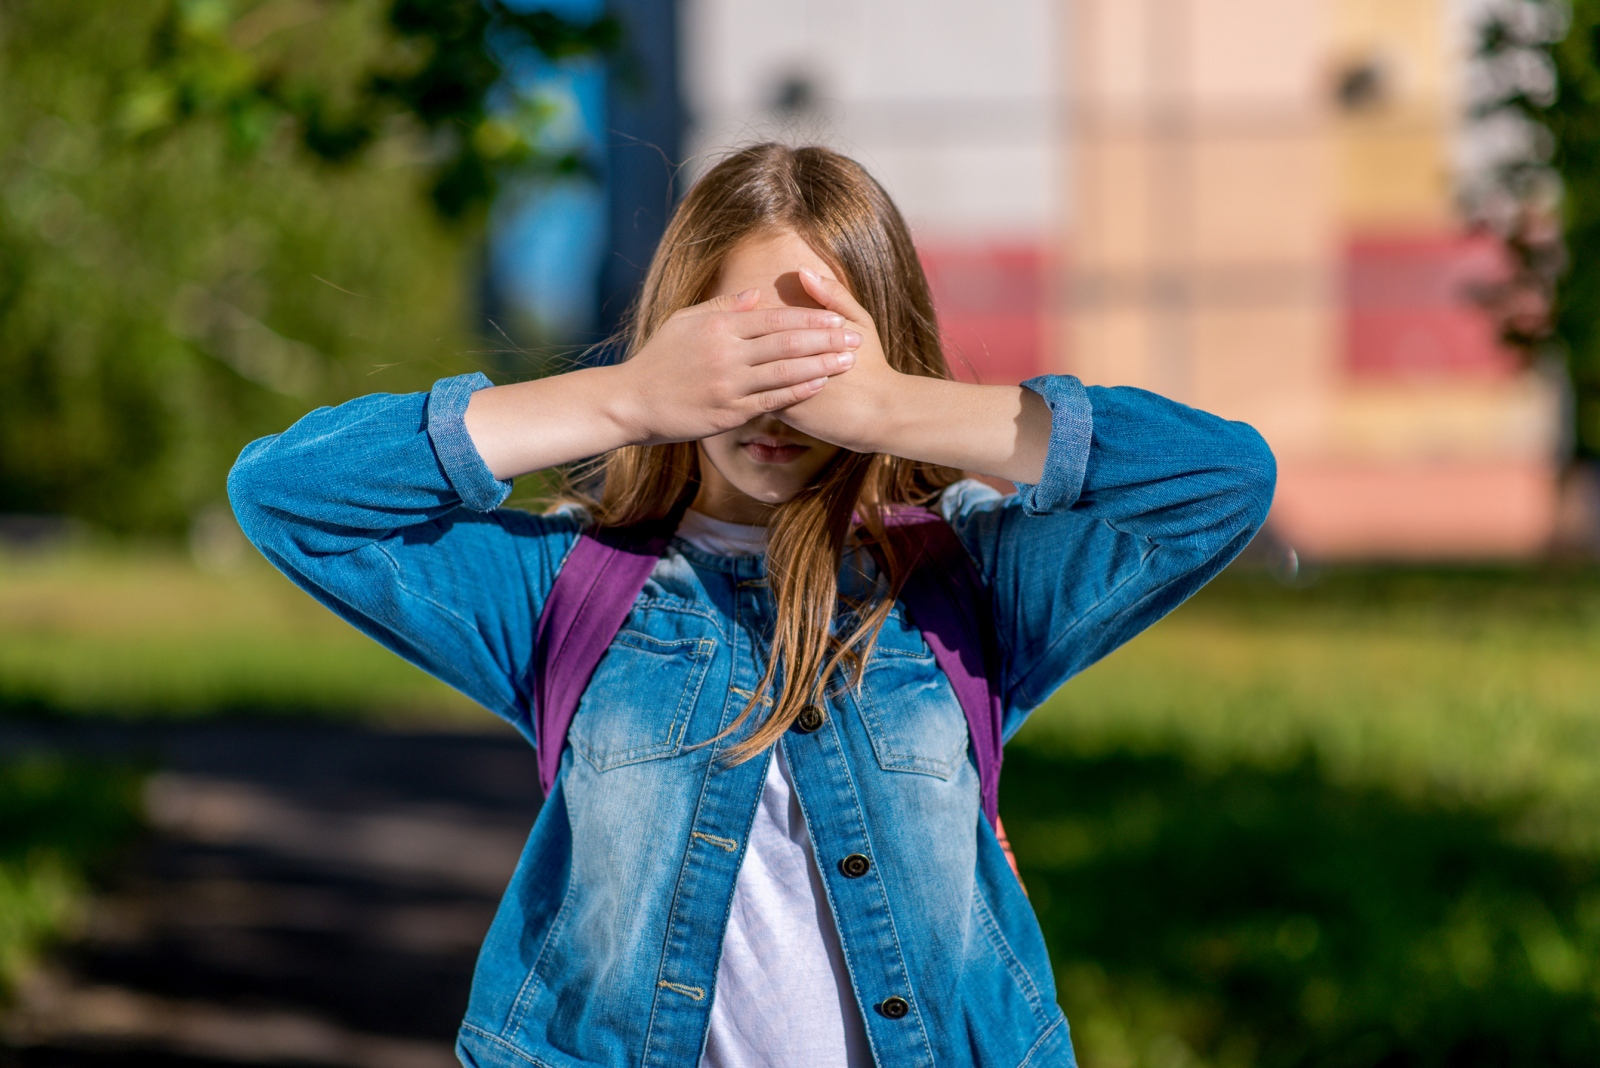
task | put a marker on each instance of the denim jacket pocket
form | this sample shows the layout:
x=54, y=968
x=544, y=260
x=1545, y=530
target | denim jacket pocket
x=908, y=708
x=637, y=705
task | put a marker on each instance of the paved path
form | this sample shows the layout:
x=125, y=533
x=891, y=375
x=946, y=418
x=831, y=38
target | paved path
x=309, y=895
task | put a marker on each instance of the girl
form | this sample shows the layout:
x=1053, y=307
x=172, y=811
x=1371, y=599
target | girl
x=764, y=844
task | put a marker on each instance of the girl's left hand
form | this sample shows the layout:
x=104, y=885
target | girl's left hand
x=1003, y=431
x=852, y=411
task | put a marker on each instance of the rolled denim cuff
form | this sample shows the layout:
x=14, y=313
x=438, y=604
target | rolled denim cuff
x=469, y=476
x=1071, y=428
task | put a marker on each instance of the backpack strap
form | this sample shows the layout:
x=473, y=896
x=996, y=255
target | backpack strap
x=605, y=571
x=948, y=602
x=593, y=593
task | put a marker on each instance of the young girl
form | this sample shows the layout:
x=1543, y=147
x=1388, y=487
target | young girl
x=764, y=845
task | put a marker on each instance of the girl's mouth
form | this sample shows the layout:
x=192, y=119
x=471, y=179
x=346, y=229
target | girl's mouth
x=772, y=451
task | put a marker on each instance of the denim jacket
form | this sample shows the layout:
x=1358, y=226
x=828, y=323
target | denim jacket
x=604, y=950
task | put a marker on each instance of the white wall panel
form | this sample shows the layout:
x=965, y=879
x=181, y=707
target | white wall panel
x=953, y=104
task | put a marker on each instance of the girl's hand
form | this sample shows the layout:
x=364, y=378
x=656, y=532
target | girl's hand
x=1002, y=431
x=709, y=368
x=850, y=414
x=719, y=364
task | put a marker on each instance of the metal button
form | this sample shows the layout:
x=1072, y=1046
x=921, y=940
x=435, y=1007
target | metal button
x=855, y=866
x=894, y=1008
x=810, y=720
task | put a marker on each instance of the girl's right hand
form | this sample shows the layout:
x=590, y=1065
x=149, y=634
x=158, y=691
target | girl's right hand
x=719, y=364
x=710, y=368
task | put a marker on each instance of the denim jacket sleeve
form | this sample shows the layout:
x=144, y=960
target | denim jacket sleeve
x=382, y=509
x=1142, y=501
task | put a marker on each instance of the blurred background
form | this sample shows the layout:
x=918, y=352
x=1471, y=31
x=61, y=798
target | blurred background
x=1339, y=810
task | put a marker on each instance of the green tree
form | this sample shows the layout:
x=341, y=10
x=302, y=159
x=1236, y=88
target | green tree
x=214, y=216
x=436, y=66
x=1538, y=68
x=1573, y=119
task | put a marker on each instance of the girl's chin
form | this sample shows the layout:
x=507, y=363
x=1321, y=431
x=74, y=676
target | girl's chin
x=760, y=489
x=774, y=497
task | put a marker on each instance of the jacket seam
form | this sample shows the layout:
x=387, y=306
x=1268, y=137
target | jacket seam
x=910, y=763
x=1024, y=683
x=503, y=1044
x=460, y=623
x=1048, y=1031
x=1013, y=963
x=400, y=584
x=701, y=660
x=563, y=914
x=671, y=602
x=638, y=639
x=683, y=864
x=532, y=980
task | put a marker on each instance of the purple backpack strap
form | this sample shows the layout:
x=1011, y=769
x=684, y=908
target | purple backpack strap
x=603, y=574
x=593, y=593
x=949, y=604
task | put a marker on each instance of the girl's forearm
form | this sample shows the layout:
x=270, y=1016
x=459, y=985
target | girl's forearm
x=1002, y=431
x=709, y=368
x=530, y=426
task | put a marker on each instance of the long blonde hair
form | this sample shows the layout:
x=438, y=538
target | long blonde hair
x=836, y=207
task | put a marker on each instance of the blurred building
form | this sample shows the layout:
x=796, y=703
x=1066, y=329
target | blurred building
x=1245, y=204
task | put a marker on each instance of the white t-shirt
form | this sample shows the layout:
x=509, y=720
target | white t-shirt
x=783, y=997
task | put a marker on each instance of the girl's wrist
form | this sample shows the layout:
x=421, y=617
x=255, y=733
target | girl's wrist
x=887, y=412
x=621, y=403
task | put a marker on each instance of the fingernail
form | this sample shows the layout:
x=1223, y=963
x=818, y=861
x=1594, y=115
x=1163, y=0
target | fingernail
x=852, y=339
x=846, y=359
x=747, y=294
x=817, y=383
x=809, y=273
x=832, y=319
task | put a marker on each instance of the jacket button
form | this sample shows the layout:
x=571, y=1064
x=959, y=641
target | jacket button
x=810, y=720
x=855, y=866
x=894, y=1008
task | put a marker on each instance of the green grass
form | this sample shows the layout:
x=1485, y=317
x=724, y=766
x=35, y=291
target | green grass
x=61, y=822
x=1478, y=686
x=148, y=634
x=1355, y=823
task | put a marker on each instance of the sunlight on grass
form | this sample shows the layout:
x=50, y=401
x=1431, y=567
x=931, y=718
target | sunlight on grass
x=145, y=634
x=1456, y=685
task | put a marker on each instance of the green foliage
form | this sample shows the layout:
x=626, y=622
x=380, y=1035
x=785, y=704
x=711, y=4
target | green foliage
x=433, y=64
x=60, y=821
x=166, y=298
x=1539, y=62
x=1574, y=120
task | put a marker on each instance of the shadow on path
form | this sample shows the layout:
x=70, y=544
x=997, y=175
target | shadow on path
x=316, y=896
x=309, y=895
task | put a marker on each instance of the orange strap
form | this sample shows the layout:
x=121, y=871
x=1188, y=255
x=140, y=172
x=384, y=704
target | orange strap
x=1011, y=858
